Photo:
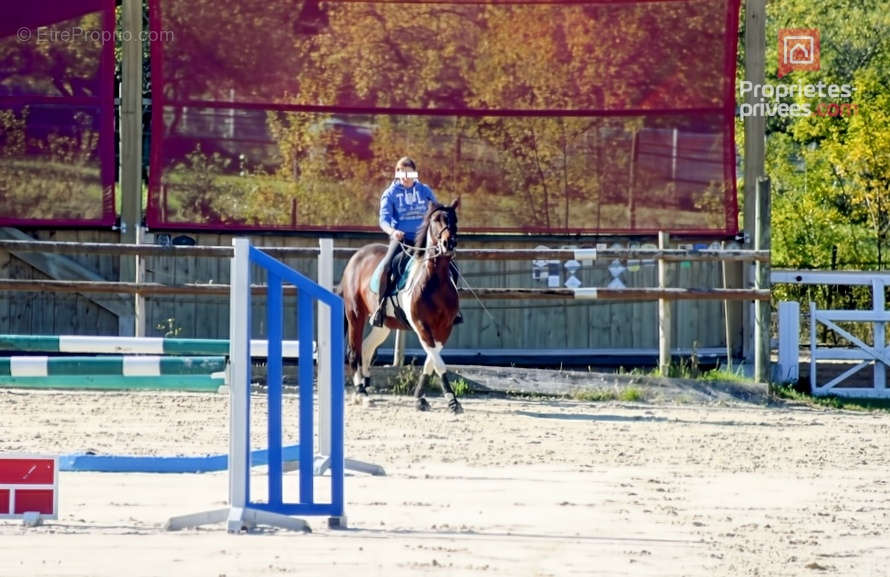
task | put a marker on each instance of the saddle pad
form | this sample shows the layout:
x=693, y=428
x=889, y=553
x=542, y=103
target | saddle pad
x=401, y=267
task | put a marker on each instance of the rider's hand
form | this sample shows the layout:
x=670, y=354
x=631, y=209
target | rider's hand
x=397, y=235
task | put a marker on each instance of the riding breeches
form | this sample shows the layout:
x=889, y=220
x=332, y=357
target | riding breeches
x=385, y=272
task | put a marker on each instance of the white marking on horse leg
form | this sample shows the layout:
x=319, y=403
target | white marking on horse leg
x=374, y=339
x=428, y=366
x=434, y=358
x=357, y=377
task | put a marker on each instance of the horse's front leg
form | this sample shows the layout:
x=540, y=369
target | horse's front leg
x=453, y=403
x=434, y=363
x=420, y=402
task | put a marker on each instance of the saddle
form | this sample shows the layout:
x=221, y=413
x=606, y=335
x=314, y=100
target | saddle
x=399, y=271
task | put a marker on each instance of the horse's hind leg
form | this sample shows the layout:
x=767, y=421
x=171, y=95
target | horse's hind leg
x=362, y=378
x=355, y=329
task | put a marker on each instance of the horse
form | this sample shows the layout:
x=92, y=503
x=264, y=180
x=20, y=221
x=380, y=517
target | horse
x=429, y=301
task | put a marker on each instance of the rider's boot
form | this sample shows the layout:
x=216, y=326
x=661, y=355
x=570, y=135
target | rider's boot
x=380, y=314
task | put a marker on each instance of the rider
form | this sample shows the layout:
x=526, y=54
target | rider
x=402, y=208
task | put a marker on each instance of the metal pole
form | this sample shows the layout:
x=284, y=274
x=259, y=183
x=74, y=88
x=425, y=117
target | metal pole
x=664, y=312
x=762, y=281
x=131, y=147
x=139, y=299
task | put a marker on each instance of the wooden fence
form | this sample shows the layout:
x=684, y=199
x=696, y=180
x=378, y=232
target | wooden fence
x=182, y=284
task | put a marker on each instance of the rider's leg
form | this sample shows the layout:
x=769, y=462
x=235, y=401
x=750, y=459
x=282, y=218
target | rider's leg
x=380, y=313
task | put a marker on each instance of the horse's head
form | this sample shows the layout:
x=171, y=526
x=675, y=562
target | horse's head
x=438, y=232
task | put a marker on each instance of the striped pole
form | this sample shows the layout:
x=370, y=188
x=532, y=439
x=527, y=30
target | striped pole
x=202, y=383
x=135, y=345
x=144, y=366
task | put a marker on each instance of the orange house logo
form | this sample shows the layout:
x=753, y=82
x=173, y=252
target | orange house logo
x=798, y=50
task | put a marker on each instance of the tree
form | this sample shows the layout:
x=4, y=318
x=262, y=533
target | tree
x=346, y=75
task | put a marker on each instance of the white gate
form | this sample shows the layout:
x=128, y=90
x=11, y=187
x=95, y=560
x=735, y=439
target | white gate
x=876, y=354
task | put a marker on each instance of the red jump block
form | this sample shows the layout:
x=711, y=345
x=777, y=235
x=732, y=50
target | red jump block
x=29, y=488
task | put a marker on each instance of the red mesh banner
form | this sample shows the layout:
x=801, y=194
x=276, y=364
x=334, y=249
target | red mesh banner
x=56, y=113
x=549, y=117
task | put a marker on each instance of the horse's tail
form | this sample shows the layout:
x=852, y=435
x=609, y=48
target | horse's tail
x=338, y=290
x=348, y=353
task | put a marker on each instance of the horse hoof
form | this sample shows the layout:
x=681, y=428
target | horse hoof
x=421, y=404
x=360, y=398
x=455, y=407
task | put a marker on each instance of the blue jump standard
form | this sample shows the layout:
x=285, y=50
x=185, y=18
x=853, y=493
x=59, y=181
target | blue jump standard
x=133, y=464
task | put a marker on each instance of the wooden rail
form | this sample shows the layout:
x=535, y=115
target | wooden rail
x=222, y=290
x=325, y=254
x=145, y=250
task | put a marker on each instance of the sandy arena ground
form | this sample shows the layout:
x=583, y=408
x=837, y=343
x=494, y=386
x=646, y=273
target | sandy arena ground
x=513, y=487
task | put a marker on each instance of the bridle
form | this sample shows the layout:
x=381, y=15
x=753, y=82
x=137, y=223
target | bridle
x=441, y=244
x=436, y=246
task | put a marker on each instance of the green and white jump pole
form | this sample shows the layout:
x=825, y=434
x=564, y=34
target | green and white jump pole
x=136, y=345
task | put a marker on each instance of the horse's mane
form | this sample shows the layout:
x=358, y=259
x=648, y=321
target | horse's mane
x=420, y=236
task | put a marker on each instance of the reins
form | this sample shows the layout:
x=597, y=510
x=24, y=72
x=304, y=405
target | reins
x=433, y=252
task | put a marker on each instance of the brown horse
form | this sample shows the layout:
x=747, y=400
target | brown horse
x=429, y=302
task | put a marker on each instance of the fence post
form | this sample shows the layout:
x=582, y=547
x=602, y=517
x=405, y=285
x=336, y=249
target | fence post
x=398, y=350
x=755, y=146
x=788, y=369
x=880, y=335
x=761, y=281
x=664, y=311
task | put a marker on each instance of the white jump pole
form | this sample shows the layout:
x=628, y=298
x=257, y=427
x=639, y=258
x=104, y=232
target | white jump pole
x=326, y=280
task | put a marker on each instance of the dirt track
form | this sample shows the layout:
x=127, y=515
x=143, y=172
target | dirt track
x=512, y=487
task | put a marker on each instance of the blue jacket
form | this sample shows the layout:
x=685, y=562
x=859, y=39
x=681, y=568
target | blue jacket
x=404, y=208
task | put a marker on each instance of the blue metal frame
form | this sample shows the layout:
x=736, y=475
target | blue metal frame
x=308, y=293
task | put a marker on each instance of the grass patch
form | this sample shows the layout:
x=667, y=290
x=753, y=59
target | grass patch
x=788, y=392
x=405, y=380
x=626, y=394
x=691, y=370
x=719, y=375
x=461, y=387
